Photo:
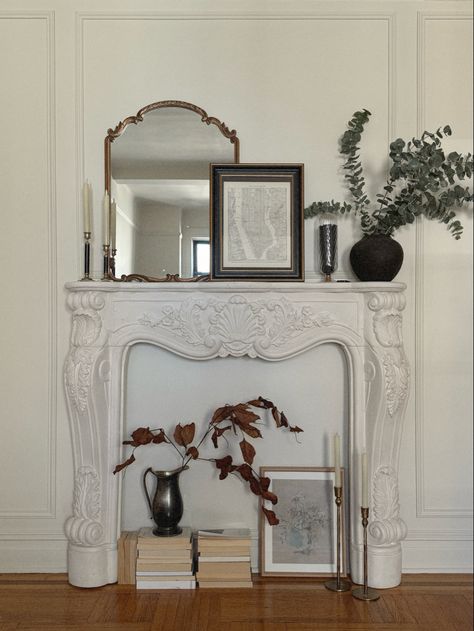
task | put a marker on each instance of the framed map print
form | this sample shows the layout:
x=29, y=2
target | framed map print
x=304, y=543
x=256, y=226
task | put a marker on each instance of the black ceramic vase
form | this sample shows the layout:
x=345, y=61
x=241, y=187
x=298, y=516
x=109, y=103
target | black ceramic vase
x=376, y=257
x=167, y=504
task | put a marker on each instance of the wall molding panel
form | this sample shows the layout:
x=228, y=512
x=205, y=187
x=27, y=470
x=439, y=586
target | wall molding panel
x=422, y=507
x=49, y=509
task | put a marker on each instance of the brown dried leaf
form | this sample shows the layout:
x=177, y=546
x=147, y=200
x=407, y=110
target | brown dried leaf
x=256, y=403
x=119, y=467
x=271, y=497
x=295, y=429
x=184, y=434
x=218, y=431
x=271, y=517
x=244, y=415
x=141, y=436
x=283, y=420
x=265, y=403
x=255, y=486
x=159, y=438
x=193, y=452
x=276, y=416
x=251, y=431
x=245, y=471
x=248, y=451
x=221, y=414
x=225, y=466
x=265, y=483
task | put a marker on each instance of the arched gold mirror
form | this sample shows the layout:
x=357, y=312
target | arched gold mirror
x=157, y=174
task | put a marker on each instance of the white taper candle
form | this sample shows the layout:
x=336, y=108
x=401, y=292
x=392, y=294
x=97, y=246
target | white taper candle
x=106, y=219
x=86, y=204
x=337, y=460
x=364, y=478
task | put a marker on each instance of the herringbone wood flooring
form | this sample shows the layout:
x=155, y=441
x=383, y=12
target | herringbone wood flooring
x=46, y=602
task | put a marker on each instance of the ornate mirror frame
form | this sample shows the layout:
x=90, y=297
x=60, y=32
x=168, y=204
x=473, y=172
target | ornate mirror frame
x=116, y=132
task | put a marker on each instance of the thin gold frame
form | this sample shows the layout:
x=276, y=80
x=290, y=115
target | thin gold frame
x=267, y=471
x=117, y=131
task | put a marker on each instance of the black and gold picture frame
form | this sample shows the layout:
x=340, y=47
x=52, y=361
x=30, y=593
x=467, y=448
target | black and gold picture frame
x=256, y=223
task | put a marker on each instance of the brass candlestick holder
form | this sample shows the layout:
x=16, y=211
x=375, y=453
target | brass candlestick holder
x=106, y=275
x=365, y=592
x=87, y=256
x=112, y=261
x=338, y=584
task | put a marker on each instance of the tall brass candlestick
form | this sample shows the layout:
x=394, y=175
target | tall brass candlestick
x=365, y=592
x=87, y=256
x=338, y=585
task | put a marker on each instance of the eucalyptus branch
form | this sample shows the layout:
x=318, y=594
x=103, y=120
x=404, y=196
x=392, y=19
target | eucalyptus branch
x=428, y=179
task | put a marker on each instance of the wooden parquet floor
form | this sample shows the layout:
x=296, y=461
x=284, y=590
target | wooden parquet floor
x=423, y=602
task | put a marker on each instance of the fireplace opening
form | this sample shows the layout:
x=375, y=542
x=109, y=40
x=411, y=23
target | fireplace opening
x=162, y=389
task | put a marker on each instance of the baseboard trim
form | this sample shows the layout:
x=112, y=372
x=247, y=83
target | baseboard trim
x=29, y=556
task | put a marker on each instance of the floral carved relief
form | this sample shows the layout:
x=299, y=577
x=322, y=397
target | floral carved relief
x=86, y=329
x=397, y=378
x=387, y=328
x=238, y=326
x=83, y=527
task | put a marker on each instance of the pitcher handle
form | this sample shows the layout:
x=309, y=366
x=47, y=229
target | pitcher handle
x=146, y=490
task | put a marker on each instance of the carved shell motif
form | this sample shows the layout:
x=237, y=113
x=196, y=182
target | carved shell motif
x=237, y=326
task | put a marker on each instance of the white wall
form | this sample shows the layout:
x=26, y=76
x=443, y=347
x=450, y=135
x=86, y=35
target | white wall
x=287, y=76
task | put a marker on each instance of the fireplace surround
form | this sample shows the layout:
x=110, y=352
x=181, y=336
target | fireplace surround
x=203, y=321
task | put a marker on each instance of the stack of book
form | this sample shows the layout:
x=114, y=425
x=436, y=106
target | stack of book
x=127, y=557
x=224, y=558
x=165, y=562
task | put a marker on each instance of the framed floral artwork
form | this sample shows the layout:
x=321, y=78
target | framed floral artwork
x=304, y=543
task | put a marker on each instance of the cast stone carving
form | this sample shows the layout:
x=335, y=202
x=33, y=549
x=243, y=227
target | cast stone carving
x=236, y=326
x=387, y=526
x=397, y=377
x=83, y=526
x=86, y=329
x=387, y=327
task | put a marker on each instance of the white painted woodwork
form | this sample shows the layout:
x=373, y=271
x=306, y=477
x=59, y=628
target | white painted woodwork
x=288, y=83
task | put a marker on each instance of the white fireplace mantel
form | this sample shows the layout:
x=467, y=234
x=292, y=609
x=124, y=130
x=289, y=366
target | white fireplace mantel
x=202, y=321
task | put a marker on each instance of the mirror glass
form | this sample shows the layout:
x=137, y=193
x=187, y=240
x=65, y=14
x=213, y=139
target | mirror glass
x=157, y=172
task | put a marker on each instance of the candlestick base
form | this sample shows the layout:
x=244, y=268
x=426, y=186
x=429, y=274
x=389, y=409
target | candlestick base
x=338, y=586
x=365, y=593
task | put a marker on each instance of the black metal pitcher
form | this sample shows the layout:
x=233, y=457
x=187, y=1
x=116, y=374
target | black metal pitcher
x=167, y=505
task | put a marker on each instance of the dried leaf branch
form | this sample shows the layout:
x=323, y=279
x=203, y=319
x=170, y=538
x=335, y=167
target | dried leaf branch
x=230, y=420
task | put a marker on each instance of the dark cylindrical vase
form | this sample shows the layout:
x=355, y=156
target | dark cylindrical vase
x=328, y=249
x=167, y=504
x=376, y=257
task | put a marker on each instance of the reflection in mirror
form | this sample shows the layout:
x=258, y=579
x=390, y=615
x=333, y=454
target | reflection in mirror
x=157, y=171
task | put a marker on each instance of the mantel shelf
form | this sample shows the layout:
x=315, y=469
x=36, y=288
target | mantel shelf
x=250, y=287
